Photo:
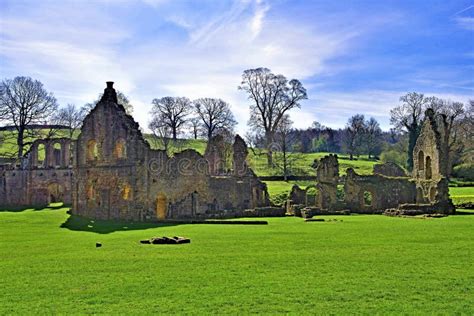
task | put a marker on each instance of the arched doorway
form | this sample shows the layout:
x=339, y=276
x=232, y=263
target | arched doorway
x=161, y=206
x=368, y=198
x=54, y=193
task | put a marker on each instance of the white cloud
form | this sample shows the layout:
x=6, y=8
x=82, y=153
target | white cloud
x=74, y=49
x=465, y=22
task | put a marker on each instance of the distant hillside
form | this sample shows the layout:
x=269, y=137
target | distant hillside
x=35, y=127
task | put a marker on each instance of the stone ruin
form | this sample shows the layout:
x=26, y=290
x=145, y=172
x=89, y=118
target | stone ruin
x=42, y=177
x=325, y=199
x=430, y=169
x=389, y=189
x=110, y=172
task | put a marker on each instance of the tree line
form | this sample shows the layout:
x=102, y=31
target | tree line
x=24, y=102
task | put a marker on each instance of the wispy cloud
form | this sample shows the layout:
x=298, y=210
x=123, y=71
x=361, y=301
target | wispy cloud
x=155, y=48
x=465, y=22
x=464, y=10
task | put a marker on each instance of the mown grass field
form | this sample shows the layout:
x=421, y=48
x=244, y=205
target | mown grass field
x=362, y=264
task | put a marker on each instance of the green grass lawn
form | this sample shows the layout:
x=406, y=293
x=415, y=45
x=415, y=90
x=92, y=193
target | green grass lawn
x=364, y=264
x=303, y=161
x=462, y=194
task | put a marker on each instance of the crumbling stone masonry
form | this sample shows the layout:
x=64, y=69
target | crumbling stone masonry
x=430, y=168
x=389, y=189
x=389, y=169
x=114, y=174
x=41, y=178
x=118, y=176
x=376, y=193
x=327, y=174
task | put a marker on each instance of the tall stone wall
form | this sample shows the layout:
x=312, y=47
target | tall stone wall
x=43, y=177
x=376, y=193
x=118, y=176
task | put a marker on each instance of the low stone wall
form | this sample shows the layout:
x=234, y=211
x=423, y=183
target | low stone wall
x=264, y=212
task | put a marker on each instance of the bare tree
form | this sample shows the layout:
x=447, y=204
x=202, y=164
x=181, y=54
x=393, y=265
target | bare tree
x=24, y=102
x=272, y=96
x=161, y=133
x=70, y=116
x=372, y=139
x=408, y=116
x=285, y=157
x=121, y=97
x=195, y=124
x=215, y=115
x=353, y=135
x=467, y=134
x=451, y=116
x=173, y=112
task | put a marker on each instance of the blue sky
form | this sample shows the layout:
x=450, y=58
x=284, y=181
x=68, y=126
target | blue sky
x=352, y=56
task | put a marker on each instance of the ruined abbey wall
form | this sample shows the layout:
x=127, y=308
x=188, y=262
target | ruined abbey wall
x=43, y=177
x=118, y=176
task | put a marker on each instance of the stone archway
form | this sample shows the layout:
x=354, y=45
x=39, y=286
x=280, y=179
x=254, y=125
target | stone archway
x=55, y=193
x=161, y=206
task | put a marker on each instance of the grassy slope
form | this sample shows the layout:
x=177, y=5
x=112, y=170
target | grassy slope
x=365, y=264
x=462, y=194
x=303, y=163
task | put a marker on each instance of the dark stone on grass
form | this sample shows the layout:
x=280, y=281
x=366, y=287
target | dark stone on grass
x=169, y=240
x=314, y=220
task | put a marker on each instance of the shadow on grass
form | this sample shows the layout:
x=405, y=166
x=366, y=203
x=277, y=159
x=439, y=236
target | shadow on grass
x=464, y=212
x=78, y=223
x=50, y=207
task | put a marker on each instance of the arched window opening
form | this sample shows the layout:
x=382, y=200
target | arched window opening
x=90, y=191
x=311, y=196
x=57, y=150
x=161, y=206
x=421, y=160
x=41, y=152
x=92, y=152
x=126, y=192
x=368, y=198
x=428, y=167
x=120, y=149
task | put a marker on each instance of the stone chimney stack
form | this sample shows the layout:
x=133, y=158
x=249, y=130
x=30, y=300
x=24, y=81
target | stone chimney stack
x=110, y=95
